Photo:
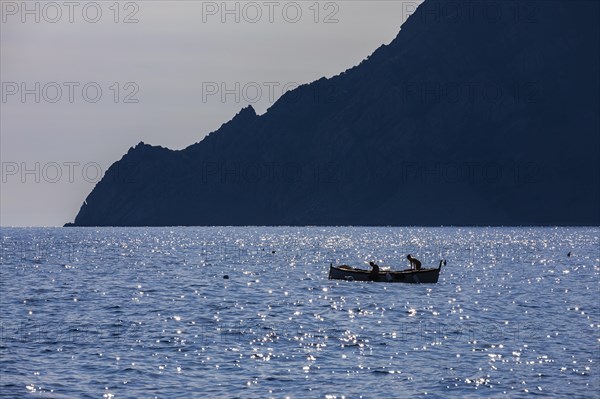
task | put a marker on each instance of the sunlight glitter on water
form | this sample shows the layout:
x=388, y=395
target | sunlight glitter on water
x=141, y=303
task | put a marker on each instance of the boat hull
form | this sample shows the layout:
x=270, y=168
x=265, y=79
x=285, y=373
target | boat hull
x=423, y=276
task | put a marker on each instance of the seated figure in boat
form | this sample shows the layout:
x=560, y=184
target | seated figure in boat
x=415, y=264
x=375, y=270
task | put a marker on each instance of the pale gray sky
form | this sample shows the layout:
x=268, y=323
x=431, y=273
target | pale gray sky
x=173, y=61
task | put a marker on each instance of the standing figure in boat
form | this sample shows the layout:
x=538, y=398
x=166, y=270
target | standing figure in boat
x=415, y=264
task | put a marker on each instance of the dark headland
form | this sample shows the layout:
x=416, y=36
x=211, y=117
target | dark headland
x=477, y=113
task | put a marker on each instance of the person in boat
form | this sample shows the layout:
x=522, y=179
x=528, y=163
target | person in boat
x=415, y=264
x=374, y=270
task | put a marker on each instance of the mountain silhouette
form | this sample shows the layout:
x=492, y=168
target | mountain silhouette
x=477, y=113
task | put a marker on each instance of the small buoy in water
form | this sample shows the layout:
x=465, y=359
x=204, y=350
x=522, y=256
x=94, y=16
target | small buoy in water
x=226, y=277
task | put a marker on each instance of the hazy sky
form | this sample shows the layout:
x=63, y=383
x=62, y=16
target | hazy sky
x=84, y=81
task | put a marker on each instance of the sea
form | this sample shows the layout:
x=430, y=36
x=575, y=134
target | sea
x=249, y=312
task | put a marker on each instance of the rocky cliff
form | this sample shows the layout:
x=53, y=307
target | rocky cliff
x=477, y=113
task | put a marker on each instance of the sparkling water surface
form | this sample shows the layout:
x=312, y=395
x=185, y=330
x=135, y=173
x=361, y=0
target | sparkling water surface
x=150, y=312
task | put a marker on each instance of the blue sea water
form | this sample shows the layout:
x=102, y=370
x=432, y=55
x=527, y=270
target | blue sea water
x=147, y=312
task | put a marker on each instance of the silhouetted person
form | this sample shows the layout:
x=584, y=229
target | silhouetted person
x=414, y=262
x=569, y=254
x=374, y=270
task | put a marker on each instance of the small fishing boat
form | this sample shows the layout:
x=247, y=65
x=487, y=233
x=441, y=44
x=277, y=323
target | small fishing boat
x=345, y=272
